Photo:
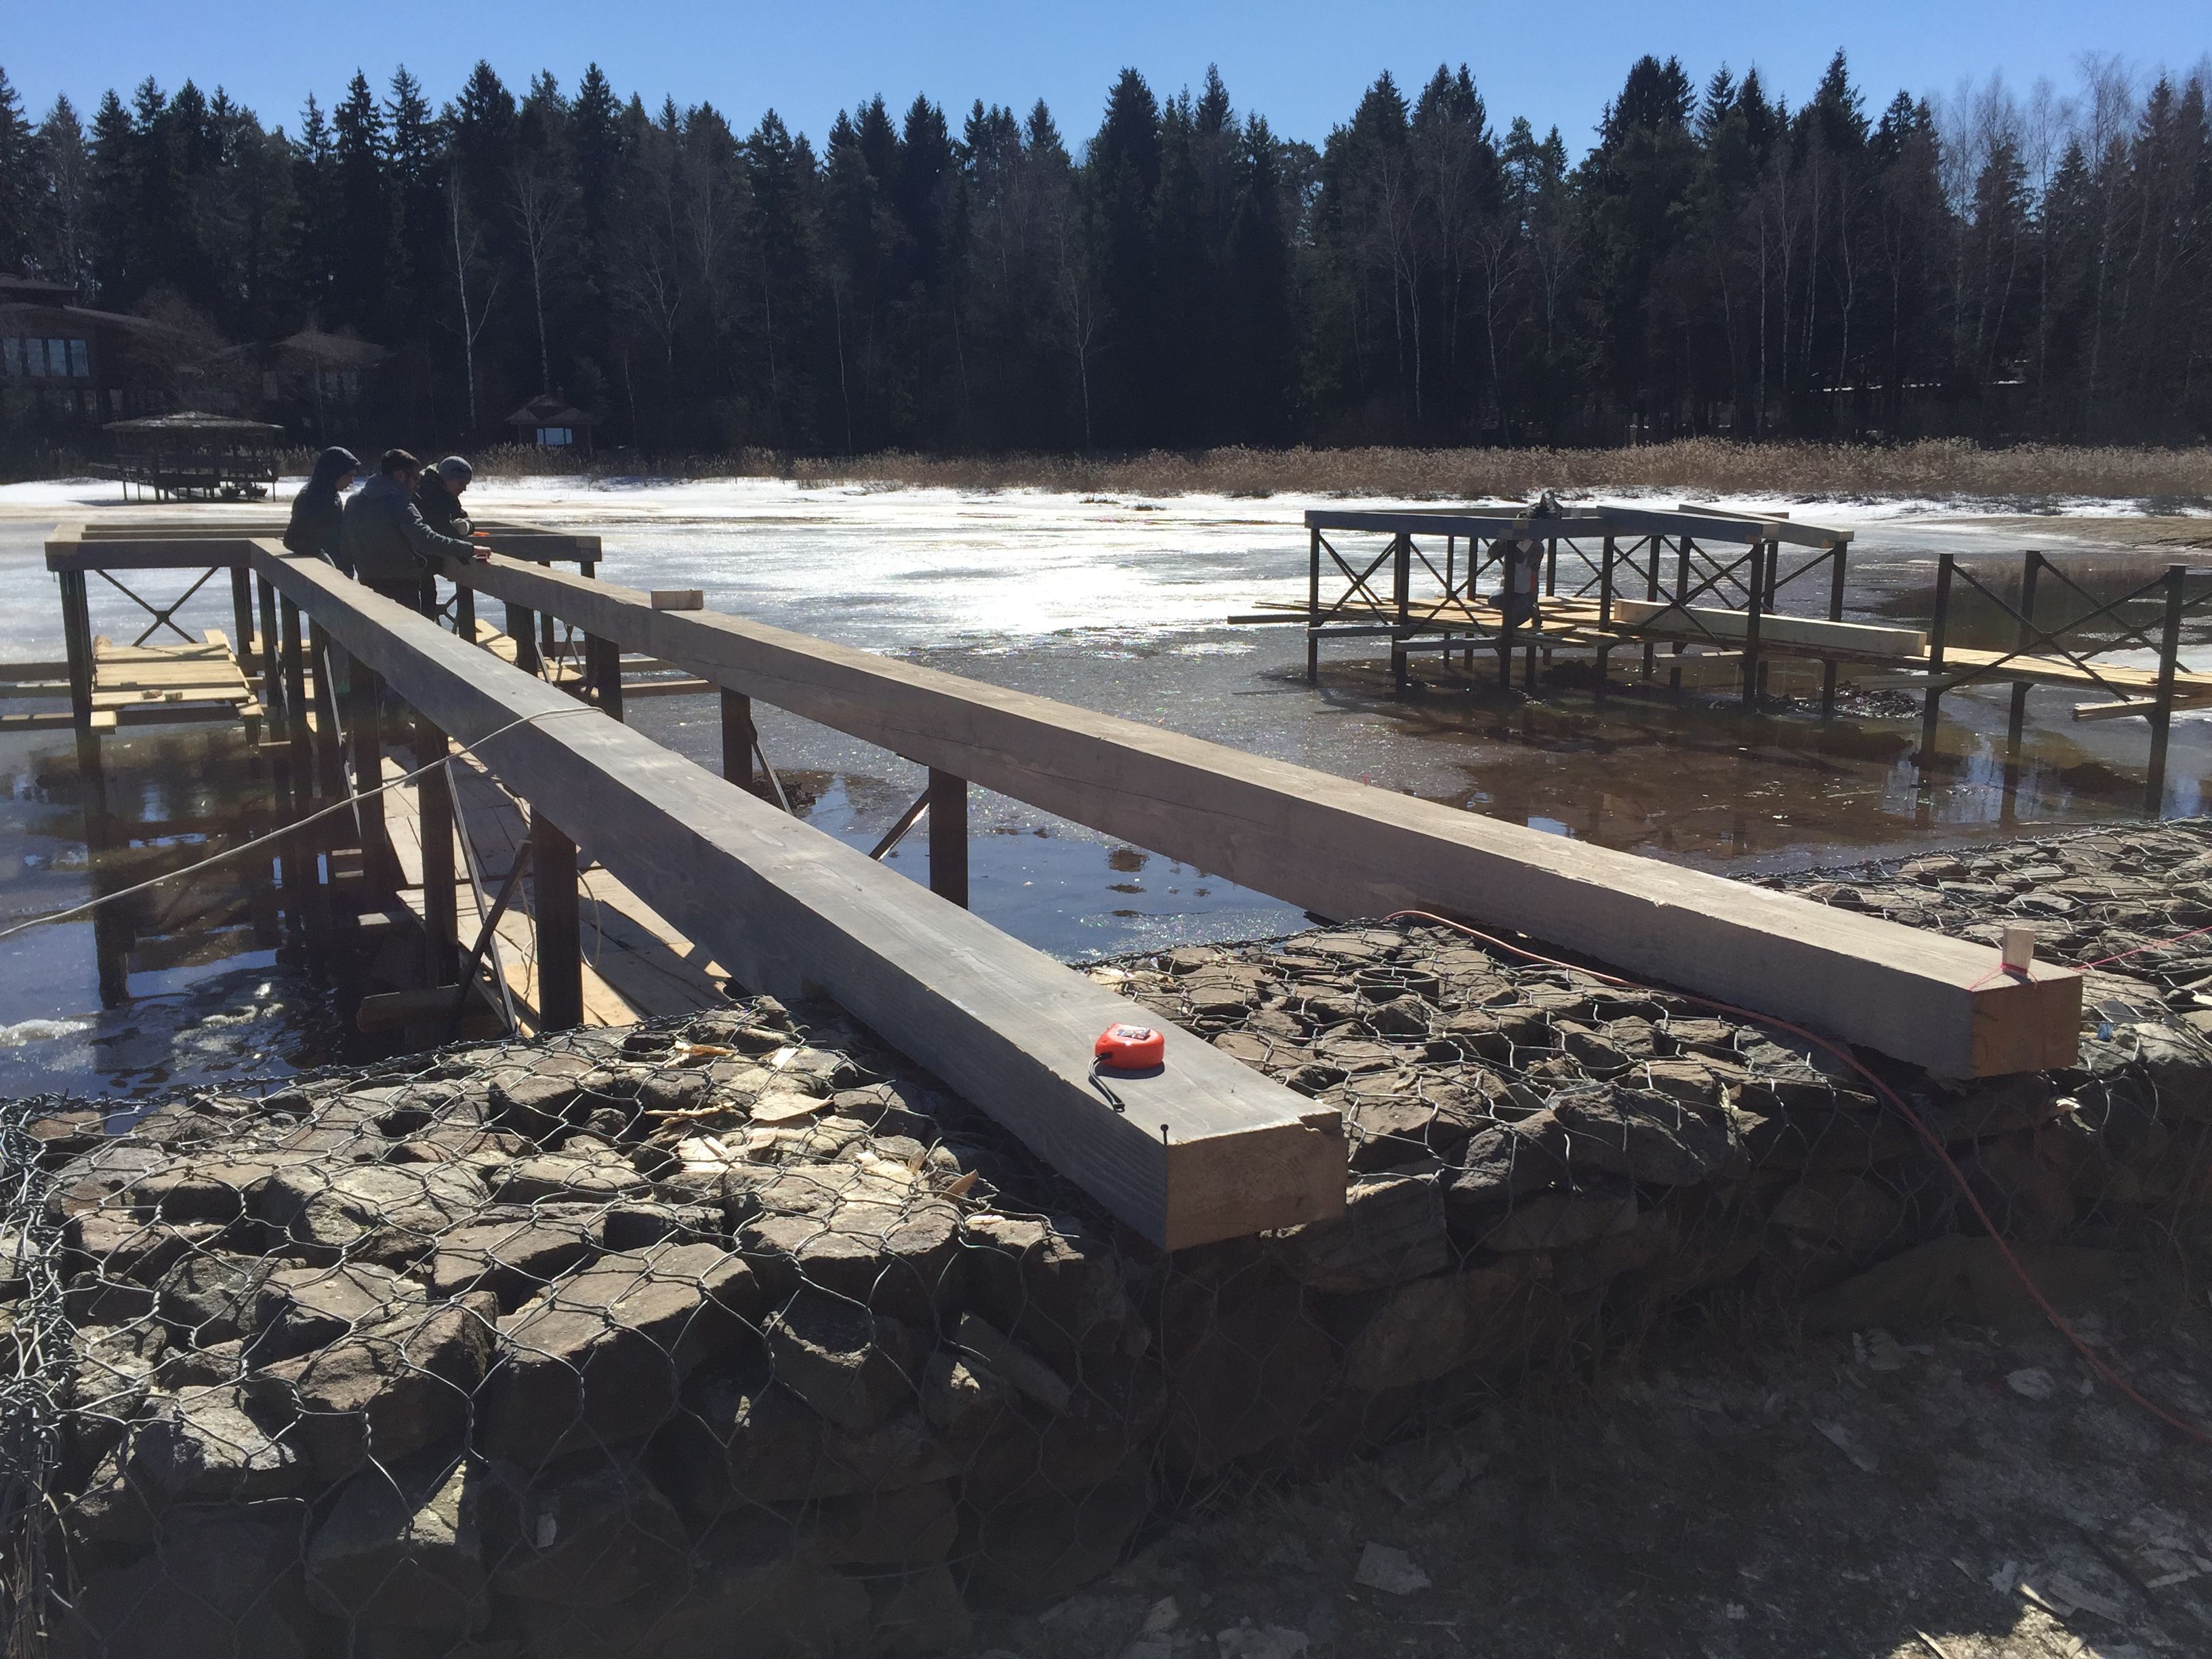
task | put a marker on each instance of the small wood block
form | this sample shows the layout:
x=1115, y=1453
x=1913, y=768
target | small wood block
x=679, y=598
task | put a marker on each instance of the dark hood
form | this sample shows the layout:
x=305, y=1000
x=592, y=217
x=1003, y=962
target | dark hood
x=331, y=465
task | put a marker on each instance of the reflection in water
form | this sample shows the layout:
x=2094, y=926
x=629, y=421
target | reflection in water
x=187, y=981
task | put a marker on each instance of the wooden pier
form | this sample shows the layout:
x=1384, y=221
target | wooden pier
x=1691, y=588
x=559, y=869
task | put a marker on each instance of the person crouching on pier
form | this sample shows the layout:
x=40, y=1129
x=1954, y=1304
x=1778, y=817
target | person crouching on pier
x=389, y=545
x=316, y=510
x=439, y=495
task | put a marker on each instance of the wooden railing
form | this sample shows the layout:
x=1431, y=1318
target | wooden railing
x=1342, y=850
x=1207, y=1148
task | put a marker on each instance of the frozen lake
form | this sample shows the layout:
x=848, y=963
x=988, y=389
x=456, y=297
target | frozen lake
x=1115, y=604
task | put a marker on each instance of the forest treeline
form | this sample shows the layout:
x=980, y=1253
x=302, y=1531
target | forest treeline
x=1719, y=261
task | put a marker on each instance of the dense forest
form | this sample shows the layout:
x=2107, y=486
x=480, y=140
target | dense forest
x=1718, y=261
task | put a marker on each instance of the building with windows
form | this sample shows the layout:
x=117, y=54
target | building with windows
x=65, y=365
x=549, y=422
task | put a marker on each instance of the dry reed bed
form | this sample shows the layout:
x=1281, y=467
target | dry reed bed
x=1942, y=468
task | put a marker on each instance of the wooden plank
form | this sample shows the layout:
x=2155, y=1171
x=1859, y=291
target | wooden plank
x=1579, y=523
x=1340, y=849
x=154, y=544
x=1207, y=1149
x=1649, y=617
x=103, y=720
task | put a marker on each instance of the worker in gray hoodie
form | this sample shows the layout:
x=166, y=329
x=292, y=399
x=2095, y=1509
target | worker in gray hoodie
x=385, y=540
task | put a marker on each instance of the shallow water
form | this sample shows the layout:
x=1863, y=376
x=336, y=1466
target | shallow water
x=1116, y=606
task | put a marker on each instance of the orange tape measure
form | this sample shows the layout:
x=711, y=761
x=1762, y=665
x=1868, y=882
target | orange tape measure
x=1130, y=1049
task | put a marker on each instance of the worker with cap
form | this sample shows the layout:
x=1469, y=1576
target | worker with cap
x=439, y=495
x=385, y=540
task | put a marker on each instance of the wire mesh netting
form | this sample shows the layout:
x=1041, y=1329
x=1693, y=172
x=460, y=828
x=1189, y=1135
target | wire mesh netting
x=737, y=1335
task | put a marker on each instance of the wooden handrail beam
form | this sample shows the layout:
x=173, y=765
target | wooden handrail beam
x=1339, y=849
x=1207, y=1149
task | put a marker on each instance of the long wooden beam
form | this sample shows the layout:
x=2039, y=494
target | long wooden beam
x=1342, y=850
x=1207, y=1149
x=1583, y=523
x=155, y=547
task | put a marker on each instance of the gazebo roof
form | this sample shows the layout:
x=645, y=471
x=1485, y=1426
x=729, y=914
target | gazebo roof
x=548, y=411
x=195, y=423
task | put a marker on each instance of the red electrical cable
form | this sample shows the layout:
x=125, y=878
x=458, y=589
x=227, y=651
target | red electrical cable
x=2189, y=1431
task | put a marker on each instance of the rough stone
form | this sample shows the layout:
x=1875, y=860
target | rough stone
x=587, y=1530
x=853, y=1367
x=1050, y=1285
x=119, y=1244
x=1434, y=1326
x=561, y=1178
x=228, y=1584
x=537, y=1103
x=1550, y=1220
x=904, y=1526
x=601, y=1354
x=1037, y=1549
x=1840, y=1211
x=1496, y=1169
x=740, y=1441
x=204, y=1446
x=741, y=1576
x=333, y=1211
x=514, y=1259
x=1643, y=1135
x=403, y=1546
x=897, y=1257
x=389, y=1391
x=917, y=1613
x=299, y=1309
x=1392, y=1229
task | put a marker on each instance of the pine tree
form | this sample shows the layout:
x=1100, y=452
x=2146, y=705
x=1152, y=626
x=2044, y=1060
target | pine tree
x=18, y=185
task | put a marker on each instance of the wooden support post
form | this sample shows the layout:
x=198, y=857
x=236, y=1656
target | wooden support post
x=522, y=628
x=1551, y=589
x=76, y=635
x=1683, y=598
x=1650, y=544
x=241, y=618
x=365, y=738
x=1932, y=709
x=304, y=890
x=2161, y=715
x=1509, y=568
x=1313, y=608
x=434, y=801
x=329, y=764
x=464, y=612
x=273, y=677
x=948, y=836
x=1605, y=615
x=1401, y=600
x=602, y=674
x=1754, y=608
x=2031, y=566
x=296, y=700
x=1770, y=561
x=1835, y=614
x=739, y=737
x=560, y=935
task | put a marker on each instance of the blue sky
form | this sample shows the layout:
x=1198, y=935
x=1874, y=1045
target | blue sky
x=1301, y=63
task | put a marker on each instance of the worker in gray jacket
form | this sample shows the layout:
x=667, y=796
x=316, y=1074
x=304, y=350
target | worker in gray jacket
x=385, y=539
